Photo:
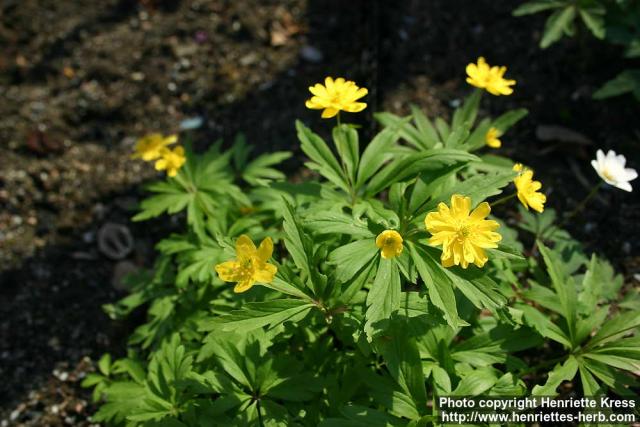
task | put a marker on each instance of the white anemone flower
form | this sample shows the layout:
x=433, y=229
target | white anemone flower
x=611, y=169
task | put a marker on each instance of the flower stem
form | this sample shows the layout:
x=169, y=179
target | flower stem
x=503, y=199
x=338, y=118
x=583, y=203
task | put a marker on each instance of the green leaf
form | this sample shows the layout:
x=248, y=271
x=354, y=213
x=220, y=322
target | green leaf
x=403, y=127
x=322, y=158
x=544, y=325
x=590, y=387
x=476, y=383
x=564, y=287
x=594, y=21
x=389, y=394
x=360, y=416
x=479, y=187
x=561, y=372
x=621, y=383
x=280, y=285
x=439, y=285
x=466, y=115
x=260, y=172
x=531, y=7
x=172, y=199
x=104, y=364
x=414, y=164
x=383, y=299
x=255, y=315
x=228, y=355
x=557, y=24
x=626, y=81
x=123, y=399
x=614, y=328
x=297, y=241
x=401, y=354
x=345, y=138
x=132, y=367
x=508, y=119
x=428, y=134
x=477, y=286
x=351, y=258
x=335, y=222
x=377, y=153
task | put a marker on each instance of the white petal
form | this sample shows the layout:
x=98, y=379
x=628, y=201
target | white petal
x=600, y=156
x=623, y=186
x=630, y=174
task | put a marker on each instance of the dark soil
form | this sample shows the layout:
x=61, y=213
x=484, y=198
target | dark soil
x=80, y=81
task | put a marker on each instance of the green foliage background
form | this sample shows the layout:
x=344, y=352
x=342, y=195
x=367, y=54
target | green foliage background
x=342, y=337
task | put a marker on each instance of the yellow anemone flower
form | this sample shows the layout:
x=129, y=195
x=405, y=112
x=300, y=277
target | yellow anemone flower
x=390, y=244
x=335, y=96
x=527, y=189
x=250, y=265
x=463, y=235
x=491, y=138
x=151, y=146
x=489, y=78
x=171, y=161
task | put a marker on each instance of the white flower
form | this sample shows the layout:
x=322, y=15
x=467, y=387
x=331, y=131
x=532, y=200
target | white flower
x=611, y=169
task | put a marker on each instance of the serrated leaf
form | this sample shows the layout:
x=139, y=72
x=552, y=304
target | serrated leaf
x=562, y=372
x=383, y=299
x=255, y=315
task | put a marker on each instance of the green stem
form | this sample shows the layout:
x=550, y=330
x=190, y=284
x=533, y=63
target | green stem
x=186, y=185
x=338, y=118
x=583, y=203
x=503, y=199
x=260, y=420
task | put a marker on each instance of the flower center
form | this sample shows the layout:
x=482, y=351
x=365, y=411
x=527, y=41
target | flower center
x=607, y=175
x=463, y=232
x=389, y=241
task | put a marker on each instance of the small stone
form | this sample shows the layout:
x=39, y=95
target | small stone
x=311, y=54
x=54, y=343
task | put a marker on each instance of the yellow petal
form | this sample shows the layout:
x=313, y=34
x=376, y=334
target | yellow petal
x=480, y=212
x=329, y=112
x=460, y=206
x=266, y=249
x=244, y=247
x=243, y=286
x=265, y=274
x=228, y=271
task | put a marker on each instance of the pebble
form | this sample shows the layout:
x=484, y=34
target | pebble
x=311, y=54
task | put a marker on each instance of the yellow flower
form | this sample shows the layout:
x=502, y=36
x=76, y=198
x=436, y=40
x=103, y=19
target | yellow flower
x=492, y=138
x=250, y=266
x=171, y=161
x=527, y=188
x=335, y=96
x=489, y=78
x=390, y=244
x=463, y=235
x=150, y=146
